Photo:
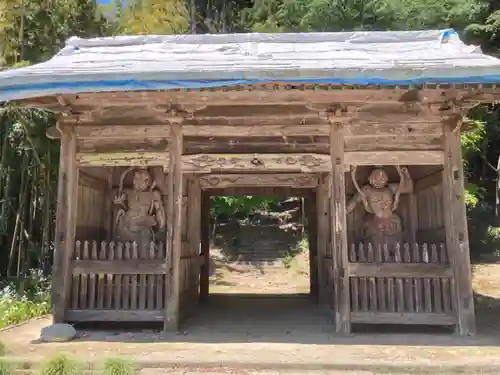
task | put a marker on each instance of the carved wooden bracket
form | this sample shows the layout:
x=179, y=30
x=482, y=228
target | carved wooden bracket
x=334, y=112
x=177, y=113
x=249, y=180
x=206, y=163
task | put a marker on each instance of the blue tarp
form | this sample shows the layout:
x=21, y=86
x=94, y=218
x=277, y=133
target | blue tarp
x=131, y=63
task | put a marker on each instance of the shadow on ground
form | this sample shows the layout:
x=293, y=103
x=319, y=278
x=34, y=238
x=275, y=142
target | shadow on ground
x=240, y=318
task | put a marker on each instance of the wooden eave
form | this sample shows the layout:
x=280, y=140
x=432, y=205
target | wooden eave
x=269, y=94
x=265, y=118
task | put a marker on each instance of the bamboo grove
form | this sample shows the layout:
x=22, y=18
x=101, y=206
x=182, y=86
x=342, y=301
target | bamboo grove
x=34, y=30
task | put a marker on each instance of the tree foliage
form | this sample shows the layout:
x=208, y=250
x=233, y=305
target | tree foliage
x=34, y=30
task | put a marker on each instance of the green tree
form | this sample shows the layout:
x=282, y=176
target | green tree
x=154, y=17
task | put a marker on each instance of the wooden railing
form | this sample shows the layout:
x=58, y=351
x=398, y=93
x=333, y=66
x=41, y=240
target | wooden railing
x=118, y=282
x=409, y=284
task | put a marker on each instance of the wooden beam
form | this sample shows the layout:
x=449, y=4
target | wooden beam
x=361, y=129
x=299, y=180
x=457, y=241
x=394, y=157
x=429, y=181
x=361, y=317
x=96, y=183
x=99, y=315
x=105, y=131
x=118, y=267
x=216, y=146
x=271, y=191
x=123, y=159
x=339, y=231
x=67, y=195
x=270, y=95
x=399, y=270
x=213, y=163
x=174, y=230
x=255, y=130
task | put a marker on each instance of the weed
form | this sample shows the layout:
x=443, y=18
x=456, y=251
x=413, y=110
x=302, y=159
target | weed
x=117, y=366
x=7, y=367
x=3, y=348
x=61, y=364
x=301, y=246
x=20, y=304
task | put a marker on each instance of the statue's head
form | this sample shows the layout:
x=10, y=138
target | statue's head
x=141, y=179
x=378, y=178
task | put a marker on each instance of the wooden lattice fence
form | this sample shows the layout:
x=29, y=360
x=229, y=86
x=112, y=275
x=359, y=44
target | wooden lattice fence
x=114, y=281
x=410, y=284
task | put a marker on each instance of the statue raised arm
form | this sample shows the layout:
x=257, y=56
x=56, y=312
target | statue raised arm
x=381, y=200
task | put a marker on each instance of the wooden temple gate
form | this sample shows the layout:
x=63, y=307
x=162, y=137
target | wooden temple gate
x=322, y=141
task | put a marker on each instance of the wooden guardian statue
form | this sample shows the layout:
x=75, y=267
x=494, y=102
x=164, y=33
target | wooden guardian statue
x=380, y=200
x=141, y=214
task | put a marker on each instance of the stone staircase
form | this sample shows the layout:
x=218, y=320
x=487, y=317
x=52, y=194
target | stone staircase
x=256, y=245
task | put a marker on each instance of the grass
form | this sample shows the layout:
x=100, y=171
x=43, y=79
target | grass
x=18, y=306
x=61, y=364
x=8, y=367
x=117, y=366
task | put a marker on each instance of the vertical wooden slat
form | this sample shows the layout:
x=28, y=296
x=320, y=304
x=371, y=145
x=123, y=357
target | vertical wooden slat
x=101, y=278
x=93, y=278
x=436, y=283
x=133, y=279
x=457, y=241
x=150, y=279
x=418, y=281
x=127, y=255
x=143, y=283
x=160, y=280
x=363, y=282
x=400, y=304
x=391, y=301
x=427, y=281
x=76, y=287
x=354, y=281
x=118, y=279
x=67, y=196
x=109, y=278
x=84, y=279
x=372, y=288
x=381, y=281
x=408, y=282
x=174, y=227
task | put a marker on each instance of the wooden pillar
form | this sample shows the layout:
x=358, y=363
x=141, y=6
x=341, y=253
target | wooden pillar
x=174, y=229
x=194, y=238
x=310, y=208
x=205, y=247
x=67, y=196
x=323, y=230
x=339, y=231
x=457, y=240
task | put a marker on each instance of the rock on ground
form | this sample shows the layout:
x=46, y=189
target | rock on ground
x=58, y=332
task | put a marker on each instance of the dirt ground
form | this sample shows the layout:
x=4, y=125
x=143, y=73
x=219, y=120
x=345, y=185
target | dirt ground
x=280, y=329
